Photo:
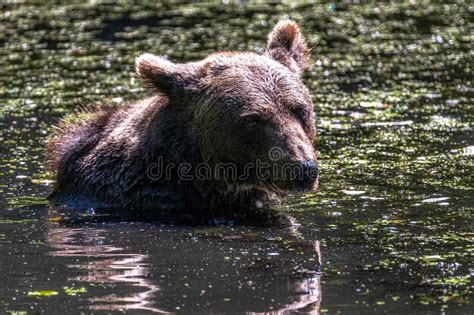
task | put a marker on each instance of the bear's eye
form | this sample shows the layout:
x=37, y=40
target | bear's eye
x=252, y=121
x=251, y=124
x=300, y=113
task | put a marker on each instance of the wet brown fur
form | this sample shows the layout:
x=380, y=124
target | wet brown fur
x=199, y=112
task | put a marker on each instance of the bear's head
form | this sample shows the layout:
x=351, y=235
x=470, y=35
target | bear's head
x=248, y=112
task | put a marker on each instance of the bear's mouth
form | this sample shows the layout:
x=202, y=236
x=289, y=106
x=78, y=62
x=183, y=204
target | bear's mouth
x=297, y=178
x=283, y=188
x=272, y=188
x=294, y=177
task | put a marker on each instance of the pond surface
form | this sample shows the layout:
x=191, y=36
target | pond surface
x=392, y=222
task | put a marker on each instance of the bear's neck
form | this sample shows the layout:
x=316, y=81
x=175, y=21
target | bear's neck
x=172, y=134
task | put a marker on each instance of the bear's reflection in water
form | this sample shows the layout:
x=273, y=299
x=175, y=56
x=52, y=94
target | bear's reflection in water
x=105, y=265
x=152, y=267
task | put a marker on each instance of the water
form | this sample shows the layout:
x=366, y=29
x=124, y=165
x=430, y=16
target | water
x=392, y=220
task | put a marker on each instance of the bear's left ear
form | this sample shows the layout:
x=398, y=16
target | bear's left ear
x=287, y=45
x=165, y=76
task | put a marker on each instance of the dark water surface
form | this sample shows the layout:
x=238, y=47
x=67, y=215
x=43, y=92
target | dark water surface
x=392, y=221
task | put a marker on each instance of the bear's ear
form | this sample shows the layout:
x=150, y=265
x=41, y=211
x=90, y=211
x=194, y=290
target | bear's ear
x=287, y=45
x=165, y=76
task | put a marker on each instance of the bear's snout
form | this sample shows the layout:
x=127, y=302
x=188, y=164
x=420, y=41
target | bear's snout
x=307, y=174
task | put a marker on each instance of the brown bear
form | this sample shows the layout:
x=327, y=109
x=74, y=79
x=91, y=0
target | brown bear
x=237, y=128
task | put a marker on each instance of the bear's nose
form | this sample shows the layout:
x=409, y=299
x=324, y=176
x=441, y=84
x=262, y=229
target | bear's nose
x=310, y=168
x=308, y=172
